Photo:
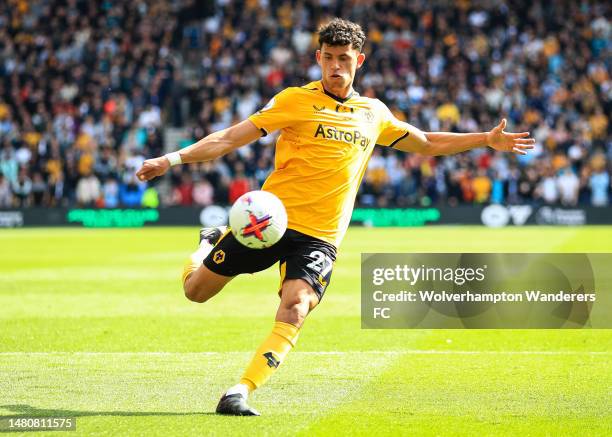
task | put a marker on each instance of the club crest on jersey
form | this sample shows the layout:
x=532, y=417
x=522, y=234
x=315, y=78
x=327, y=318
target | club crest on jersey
x=354, y=137
x=256, y=226
x=219, y=256
x=367, y=115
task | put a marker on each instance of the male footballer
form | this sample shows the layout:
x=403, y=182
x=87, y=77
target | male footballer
x=328, y=132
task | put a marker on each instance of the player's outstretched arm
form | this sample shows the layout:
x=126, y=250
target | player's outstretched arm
x=448, y=143
x=208, y=148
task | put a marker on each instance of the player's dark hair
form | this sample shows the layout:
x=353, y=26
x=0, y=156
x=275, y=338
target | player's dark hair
x=339, y=32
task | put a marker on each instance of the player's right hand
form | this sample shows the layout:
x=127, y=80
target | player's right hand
x=153, y=168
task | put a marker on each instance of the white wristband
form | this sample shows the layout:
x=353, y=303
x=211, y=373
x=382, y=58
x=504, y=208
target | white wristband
x=174, y=158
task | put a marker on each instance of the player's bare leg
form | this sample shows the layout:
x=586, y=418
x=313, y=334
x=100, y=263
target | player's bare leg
x=298, y=298
x=203, y=284
x=199, y=282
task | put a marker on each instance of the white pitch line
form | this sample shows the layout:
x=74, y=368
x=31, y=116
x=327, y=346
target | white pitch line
x=316, y=353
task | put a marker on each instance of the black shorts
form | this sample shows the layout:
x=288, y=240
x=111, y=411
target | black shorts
x=301, y=257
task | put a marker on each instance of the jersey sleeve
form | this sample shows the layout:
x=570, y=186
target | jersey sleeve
x=278, y=113
x=391, y=129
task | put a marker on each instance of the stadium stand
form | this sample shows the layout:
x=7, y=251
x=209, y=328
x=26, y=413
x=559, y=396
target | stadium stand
x=89, y=89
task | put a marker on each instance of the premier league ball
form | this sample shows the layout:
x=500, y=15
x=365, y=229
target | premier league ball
x=258, y=219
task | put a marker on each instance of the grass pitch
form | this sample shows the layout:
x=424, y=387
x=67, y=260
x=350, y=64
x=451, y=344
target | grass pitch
x=93, y=324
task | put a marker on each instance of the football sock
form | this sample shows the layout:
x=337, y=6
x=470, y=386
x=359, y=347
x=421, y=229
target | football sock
x=240, y=389
x=196, y=259
x=270, y=355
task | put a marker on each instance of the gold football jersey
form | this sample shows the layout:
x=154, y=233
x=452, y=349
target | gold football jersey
x=322, y=154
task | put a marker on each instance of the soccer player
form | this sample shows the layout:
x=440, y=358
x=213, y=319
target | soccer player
x=328, y=132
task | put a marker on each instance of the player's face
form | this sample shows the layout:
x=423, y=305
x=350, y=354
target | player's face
x=338, y=65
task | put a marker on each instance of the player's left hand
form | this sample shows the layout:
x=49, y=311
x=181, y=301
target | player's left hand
x=509, y=142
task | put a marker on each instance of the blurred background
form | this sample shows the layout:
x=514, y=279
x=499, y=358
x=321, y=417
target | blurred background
x=89, y=89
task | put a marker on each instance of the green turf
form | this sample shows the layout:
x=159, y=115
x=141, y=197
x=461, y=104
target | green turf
x=93, y=324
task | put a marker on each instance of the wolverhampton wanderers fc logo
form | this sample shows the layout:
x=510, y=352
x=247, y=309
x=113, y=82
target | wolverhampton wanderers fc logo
x=219, y=256
x=272, y=360
x=368, y=116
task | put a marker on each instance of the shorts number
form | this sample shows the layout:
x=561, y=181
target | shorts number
x=321, y=264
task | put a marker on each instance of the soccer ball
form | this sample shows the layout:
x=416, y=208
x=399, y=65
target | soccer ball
x=258, y=219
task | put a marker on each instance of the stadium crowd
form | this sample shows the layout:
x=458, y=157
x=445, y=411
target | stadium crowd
x=87, y=89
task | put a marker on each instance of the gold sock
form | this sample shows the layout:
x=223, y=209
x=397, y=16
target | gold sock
x=270, y=355
x=195, y=261
x=197, y=258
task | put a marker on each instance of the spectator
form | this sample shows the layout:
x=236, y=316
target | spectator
x=106, y=164
x=88, y=190
x=467, y=186
x=150, y=198
x=481, y=185
x=262, y=171
x=8, y=164
x=110, y=193
x=548, y=190
x=22, y=189
x=183, y=193
x=203, y=193
x=528, y=184
x=39, y=190
x=512, y=186
x=6, y=196
x=497, y=189
x=240, y=184
x=568, y=185
x=150, y=117
x=130, y=194
x=599, y=182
